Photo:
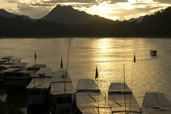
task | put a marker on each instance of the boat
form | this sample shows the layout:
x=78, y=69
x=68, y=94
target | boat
x=38, y=92
x=61, y=93
x=11, y=62
x=122, y=100
x=153, y=52
x=89, y=99
x=15, y=77
x=156, y=103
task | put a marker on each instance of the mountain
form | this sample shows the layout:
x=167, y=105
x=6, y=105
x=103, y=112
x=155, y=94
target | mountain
x=84, y=25
x=4, y=13
x=68, y=15
x=7, y=14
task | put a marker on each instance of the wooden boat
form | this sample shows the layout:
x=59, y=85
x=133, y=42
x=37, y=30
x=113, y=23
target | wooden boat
x=122, y=100
x=38, y=92
x=36, y=67
x=153, y=52
x=156, y=103
x=89, y=99
x=15, y=77
x=61, y=92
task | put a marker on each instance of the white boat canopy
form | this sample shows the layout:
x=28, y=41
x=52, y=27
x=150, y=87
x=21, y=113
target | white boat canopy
x=156, y=103
x=122, y=101
x=39, y=83
x=85, y=85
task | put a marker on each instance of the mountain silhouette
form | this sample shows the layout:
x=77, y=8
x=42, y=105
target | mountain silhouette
x=4, y=13
x=64, y=21
x=68, y=15
x=7, y=14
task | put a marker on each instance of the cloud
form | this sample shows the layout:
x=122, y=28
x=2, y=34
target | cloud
x=64, y=1
x=12, y=1
x=116, y=1
x=163, y=1
x=34, y=12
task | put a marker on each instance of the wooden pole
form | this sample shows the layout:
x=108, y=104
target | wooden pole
x=124, y=87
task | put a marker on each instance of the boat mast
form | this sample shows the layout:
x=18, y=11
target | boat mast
x=65, y=75
x=96, y=78
x=35, y=57
x=134, y=61
x=68, y=55
x=124, y=87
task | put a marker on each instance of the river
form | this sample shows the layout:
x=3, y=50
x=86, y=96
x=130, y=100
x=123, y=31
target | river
x=108, y=54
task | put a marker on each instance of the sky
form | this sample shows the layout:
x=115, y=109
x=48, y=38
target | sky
x=111, y=9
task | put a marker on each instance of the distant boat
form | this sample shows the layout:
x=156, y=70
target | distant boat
x=156, y=103
x=88, y=96
x=153, y=52
x=116, y=94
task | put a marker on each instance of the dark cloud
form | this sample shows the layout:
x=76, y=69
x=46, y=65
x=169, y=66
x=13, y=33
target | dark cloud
x=163, y=1
x=75, y=1
x=42, y=4
x=12, y=1
x=115, y=1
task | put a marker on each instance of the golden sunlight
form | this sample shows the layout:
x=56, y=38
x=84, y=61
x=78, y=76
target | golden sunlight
x=104, y=44
x=101, y=9
x=127, y=6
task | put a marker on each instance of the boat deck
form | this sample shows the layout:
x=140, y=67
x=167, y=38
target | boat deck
x=89, y=99
x=119, y=98
x=156, y=103
x=87, y=85
x=39, y=83
x=58, y=88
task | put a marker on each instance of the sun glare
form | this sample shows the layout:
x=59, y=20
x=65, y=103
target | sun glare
x=101, y=9
x=127, y=6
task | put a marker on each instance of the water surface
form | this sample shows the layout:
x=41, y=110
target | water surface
x=109, y=54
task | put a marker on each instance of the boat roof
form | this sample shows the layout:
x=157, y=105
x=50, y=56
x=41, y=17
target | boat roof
x=44, y=72
x=156, y=103
x=39, y=83
x=61, y=88
x=119, y=88
x=36, y=66
x=87, y=85
x=16, y=65
x=9, y=70
x=15, y=60
x=117, y=97
x=61, y=76
x=7, y=57
x=117, y=103
x=87, y=103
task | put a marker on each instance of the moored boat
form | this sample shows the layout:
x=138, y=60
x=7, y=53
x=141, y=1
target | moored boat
x=153, y=52
x=122, y=100
x=156, y=103
x=38, y=91
x=89, y=99
x=61, y=93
